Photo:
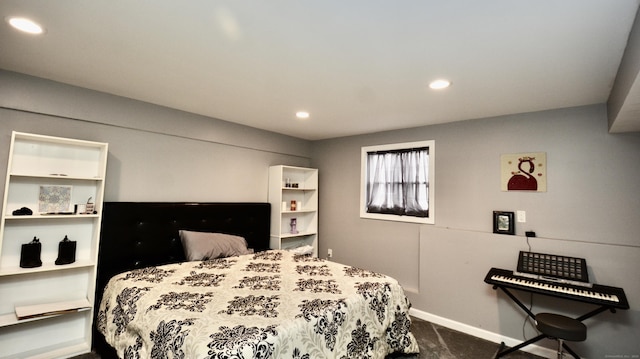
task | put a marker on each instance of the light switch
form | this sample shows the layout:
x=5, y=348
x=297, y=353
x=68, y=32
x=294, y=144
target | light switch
x=521, y=216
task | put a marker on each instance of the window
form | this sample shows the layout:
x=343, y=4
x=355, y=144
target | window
x=397, y=182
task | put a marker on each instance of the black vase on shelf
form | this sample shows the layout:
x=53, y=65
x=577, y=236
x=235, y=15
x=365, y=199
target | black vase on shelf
x=66, y=251
x=30, y=254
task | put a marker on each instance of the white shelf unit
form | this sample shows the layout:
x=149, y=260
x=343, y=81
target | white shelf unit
x=55, y=302
x=282, y=180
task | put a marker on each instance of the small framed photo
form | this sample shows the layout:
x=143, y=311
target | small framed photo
x=503, y=222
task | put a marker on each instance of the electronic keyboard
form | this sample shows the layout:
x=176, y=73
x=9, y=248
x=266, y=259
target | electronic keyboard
x=612, y=297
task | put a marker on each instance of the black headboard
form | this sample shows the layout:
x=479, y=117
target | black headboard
x=141, y=234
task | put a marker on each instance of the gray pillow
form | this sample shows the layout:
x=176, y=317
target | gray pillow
x=204, y=245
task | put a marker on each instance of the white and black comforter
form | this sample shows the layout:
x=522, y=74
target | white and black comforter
x=270, y=304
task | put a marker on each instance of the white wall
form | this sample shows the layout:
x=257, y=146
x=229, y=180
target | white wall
x=590, y=210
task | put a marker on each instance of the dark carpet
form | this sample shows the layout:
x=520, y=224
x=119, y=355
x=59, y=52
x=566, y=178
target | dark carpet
x=438, y=342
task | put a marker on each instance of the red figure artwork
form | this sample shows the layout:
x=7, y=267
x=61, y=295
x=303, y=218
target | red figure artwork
x=522, y=180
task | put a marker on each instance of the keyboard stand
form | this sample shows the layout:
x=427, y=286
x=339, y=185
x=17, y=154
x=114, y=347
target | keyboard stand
x=502, y=351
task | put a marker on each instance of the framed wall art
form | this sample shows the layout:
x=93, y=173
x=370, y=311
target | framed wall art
x=524, y=172
x=503, y=223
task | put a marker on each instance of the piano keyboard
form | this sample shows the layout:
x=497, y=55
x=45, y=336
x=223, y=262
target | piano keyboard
x=596, y=294
x=553, y=287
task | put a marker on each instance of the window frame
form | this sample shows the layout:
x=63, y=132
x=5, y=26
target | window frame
x=430, y=219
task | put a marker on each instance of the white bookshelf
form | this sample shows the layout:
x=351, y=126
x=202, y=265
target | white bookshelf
x=282, y=180
x=47, y=311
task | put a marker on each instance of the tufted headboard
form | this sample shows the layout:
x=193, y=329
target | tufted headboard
x=141, y=234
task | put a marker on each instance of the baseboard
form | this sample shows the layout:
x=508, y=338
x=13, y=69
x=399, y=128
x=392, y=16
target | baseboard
x=481, y=333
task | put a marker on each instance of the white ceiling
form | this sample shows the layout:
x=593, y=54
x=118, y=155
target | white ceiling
x=357, y=66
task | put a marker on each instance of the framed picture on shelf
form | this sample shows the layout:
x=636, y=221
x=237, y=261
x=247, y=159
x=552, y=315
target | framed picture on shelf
x=503, y=222
x=54, y=199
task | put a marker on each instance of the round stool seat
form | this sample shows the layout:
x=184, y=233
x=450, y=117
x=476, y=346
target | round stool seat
x=561, y=327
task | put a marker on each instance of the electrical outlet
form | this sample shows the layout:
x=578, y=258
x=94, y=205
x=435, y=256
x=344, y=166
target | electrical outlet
x=521, y=216
x=329, y=253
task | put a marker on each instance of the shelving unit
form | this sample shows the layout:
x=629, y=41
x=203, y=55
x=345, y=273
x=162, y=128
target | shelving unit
x=47, y=311
x=299, y=184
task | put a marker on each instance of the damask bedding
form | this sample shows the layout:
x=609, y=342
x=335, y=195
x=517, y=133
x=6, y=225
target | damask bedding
x=272, y=304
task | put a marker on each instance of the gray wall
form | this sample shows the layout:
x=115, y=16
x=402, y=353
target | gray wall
x=590, y=210
x=155, y=153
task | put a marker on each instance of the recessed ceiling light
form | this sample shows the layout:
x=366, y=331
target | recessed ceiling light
x=302, y=114
x=439, y=84
x=26, y=25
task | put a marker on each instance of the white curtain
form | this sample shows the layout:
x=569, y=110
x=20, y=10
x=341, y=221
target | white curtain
x=397, y=182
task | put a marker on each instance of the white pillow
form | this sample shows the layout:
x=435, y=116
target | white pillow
x=205, y=245
x=302, y=250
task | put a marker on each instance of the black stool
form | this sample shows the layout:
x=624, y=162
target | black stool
x=562, y=328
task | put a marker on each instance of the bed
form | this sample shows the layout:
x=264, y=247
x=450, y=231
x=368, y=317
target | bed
x=156, y=301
